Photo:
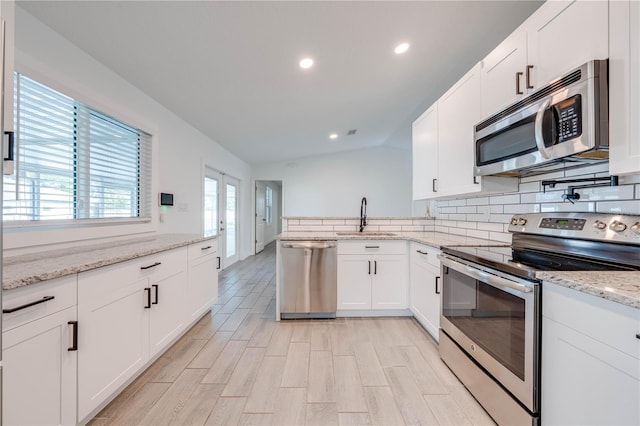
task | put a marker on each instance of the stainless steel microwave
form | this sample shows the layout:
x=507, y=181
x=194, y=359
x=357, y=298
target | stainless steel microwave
x=563, y=124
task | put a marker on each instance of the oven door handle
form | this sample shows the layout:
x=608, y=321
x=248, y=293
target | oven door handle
x=492, y=280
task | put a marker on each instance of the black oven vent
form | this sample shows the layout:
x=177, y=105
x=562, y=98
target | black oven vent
x=559, y=84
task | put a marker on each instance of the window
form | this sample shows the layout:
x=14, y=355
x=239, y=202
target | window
x=73, y=162
x=210, y=206
x=268, y=204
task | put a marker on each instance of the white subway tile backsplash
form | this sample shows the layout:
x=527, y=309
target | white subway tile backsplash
x=522, y=208
x=505, y=199
x=495, y=227
x=310, y=221
x=457, y=216
x=443, y=216
x=457, y=231
x=480, y=201
x=345, y=228
x=467, y=209
x=619, y=207
x=500, y=236
x=391, y=228
x=496, y=209
x=478, y=217
x=310, y=228
x=467, y=225
x=530, y=187
x=500, y=218
x=607, y=193
x=412, y=228
x=291, y=222
x=380, y=221
x=542, y=197
x=597, y=168
x=439, y=228
x=333, y=221
x=477, y=234
x=458, y=203
x=538, y=178
x=449, y=210
x=567, y=207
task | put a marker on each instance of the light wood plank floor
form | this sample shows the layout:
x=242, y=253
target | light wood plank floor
x=239, y=366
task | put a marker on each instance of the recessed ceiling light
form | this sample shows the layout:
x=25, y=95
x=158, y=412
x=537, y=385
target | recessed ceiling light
x=401, y=48
x=333, y=136
x=306, y=63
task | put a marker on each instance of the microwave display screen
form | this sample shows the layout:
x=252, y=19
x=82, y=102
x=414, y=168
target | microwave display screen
x=569, y=116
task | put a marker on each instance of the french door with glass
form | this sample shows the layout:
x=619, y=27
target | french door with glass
x=221, y=195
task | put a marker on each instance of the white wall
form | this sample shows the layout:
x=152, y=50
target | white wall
x=179, y=150
x=333, y=185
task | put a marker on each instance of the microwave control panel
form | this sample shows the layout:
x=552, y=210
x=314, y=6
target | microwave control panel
x=569, y=116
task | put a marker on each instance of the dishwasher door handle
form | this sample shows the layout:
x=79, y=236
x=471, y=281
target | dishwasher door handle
x=309, y=244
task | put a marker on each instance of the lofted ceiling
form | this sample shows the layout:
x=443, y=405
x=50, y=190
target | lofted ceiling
x=230, y=69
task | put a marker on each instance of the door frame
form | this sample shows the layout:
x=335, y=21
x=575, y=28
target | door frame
x=281, y=199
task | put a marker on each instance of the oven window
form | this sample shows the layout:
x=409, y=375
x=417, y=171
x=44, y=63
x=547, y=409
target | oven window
x=513, y=141
x=493, y=318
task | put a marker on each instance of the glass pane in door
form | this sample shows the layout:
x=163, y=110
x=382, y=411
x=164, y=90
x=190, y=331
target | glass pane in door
x=232, y=204
x=210, y=206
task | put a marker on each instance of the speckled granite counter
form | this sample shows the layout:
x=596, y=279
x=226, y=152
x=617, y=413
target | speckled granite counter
x=434, y=239
x=31, y=268
x=618, y=286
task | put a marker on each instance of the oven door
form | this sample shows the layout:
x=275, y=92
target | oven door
x=495, y=319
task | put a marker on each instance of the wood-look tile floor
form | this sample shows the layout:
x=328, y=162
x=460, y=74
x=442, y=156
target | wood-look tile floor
x=239, y=366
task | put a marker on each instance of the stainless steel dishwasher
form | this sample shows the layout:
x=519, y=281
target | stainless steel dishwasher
x=308, y=279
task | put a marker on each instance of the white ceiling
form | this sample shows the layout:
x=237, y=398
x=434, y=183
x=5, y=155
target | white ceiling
x=230, y=69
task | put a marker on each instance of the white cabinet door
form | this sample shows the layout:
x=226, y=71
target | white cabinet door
x=354, y=282
x=424, y=291
x=563, y=35
x=167, y=317
x=503, y=74
x=113, y=332
x=7, y=13
x=39, y=382
x=425, y=154
x=202, y=287
x=458, y=112
x=389, y=282
x=624, y=87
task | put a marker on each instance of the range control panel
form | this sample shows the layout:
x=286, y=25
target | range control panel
x=592, y=226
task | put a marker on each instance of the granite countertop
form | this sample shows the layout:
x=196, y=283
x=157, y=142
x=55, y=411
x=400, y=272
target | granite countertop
x=21, y=270
x=431, y=238
x=617, y=286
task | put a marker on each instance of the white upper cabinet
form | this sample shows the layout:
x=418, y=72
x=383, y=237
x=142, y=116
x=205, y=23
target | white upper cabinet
x=559, y=36
x=624, y=87
x=503, y=79
x=563, y=35
x=425, y=154
x=7, y=13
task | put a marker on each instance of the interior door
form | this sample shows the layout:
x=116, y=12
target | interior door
x=211, y=202
x=229, y=221
x=260, y=215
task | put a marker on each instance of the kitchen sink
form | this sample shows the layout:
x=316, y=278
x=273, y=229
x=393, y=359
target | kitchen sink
x=366, y=234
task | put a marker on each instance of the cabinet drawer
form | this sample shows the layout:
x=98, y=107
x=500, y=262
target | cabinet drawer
x=603, y=320
x=372, y=247
x=202, y=249
x=424, y=254
x=100, y=283
x=61, y=291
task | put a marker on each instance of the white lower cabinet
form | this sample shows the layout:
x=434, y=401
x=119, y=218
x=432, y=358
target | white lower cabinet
x=590, y=360
x=372, y=275
x=425, y=286
x=39, y=356
x=202, y=287
x=128, y=313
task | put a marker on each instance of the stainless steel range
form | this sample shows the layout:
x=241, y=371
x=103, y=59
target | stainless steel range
x=491, y=301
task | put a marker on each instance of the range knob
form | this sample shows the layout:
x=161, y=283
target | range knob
x=617, y=226
x=522, y=221
x=636, y=228
x=514, y=221
x=598, y=224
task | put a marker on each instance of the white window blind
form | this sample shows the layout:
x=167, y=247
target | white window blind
x=73, y=162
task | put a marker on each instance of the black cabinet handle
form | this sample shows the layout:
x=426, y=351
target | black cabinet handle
x=151, y=266
x=148, y=290
x=422, y=252
x=375, y=267
x=371, y=247
x=28, y=305
x=518, y=91
x=529, y=68
x=74, y=336
x=437, y=291
x=9, y=155
x=369, y=267
x=475, y=180
x=218, y=263
x=205, y=248
x=155, y=287
x=433, y=185
x=638, y=336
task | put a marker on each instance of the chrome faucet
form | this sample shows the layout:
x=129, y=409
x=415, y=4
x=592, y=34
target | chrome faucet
x=363, y=213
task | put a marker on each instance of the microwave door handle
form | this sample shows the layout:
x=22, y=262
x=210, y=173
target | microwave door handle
x=538, y=130
x=492, y=280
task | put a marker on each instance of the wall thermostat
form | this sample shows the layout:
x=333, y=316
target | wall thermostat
x=166, y=199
